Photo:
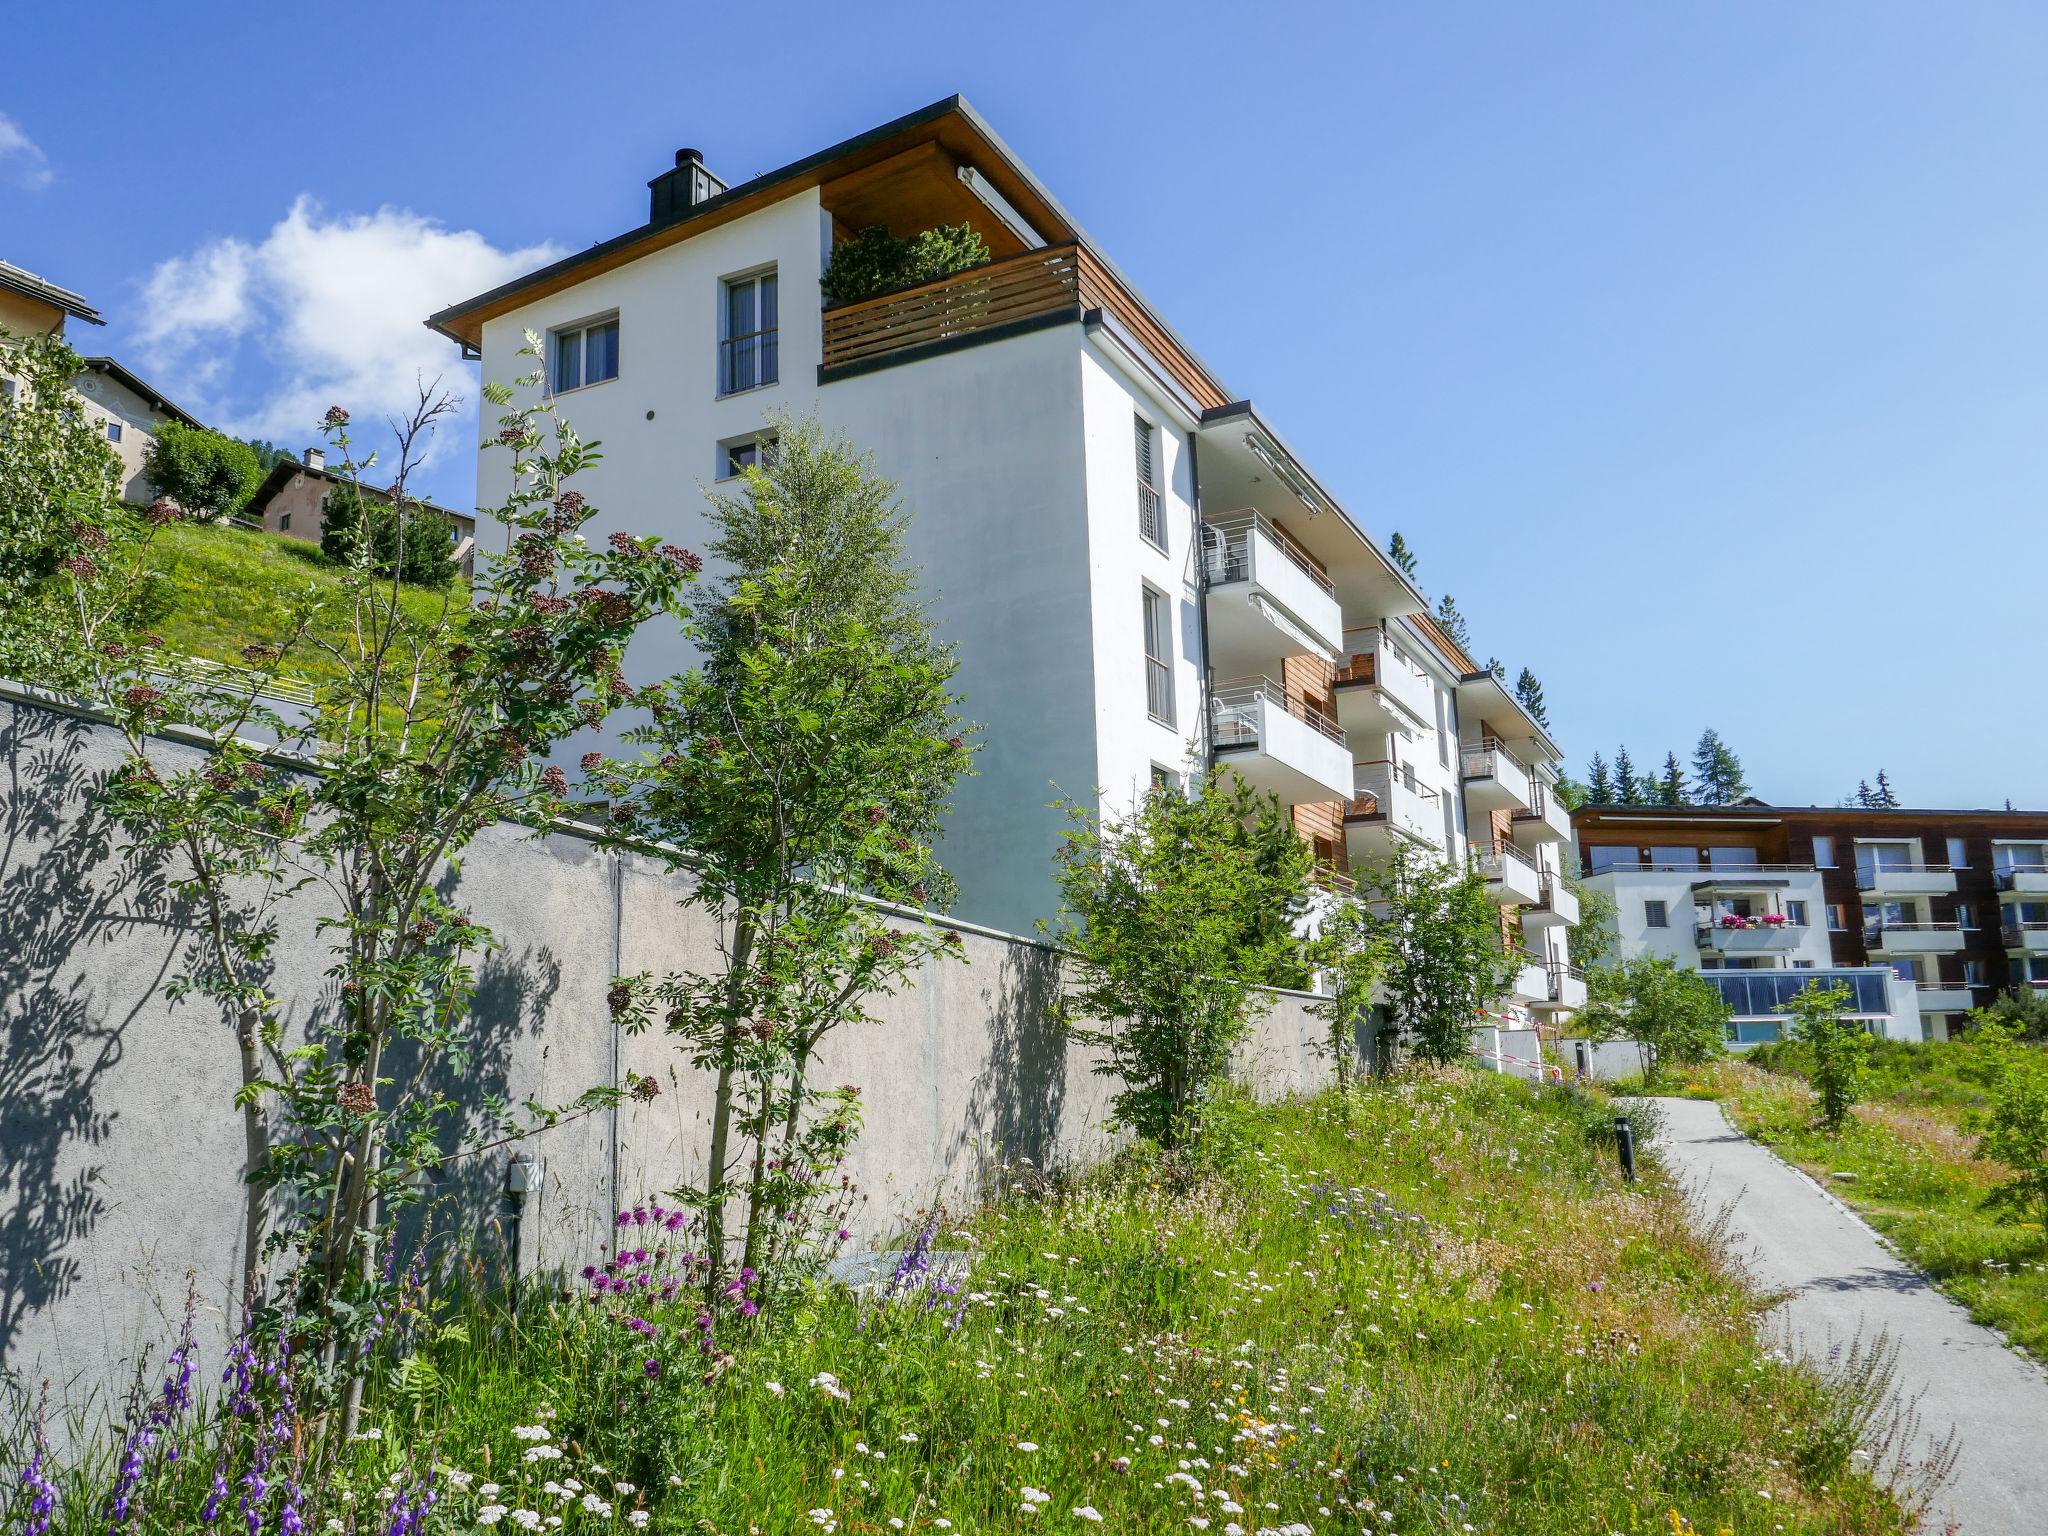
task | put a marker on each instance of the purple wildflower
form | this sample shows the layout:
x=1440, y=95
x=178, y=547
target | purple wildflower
x=36, y=1485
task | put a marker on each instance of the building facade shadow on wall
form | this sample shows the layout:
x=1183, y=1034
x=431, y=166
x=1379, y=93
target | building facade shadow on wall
x=67, y=884
x=1016, y=1102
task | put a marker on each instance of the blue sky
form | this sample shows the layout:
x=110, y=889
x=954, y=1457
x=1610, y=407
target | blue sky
x=1699, y=351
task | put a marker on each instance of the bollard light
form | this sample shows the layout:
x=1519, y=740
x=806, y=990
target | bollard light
x=1625, y=1142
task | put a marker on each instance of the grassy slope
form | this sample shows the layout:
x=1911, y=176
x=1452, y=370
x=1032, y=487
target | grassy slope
x=215, y=590
x=1916, y=1176
x=1430, y=1308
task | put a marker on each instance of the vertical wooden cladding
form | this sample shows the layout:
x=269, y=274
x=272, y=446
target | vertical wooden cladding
x=1500, y=829
x=1307, y=680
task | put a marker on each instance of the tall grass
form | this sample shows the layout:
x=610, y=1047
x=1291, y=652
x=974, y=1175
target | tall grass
x=1429, y=1306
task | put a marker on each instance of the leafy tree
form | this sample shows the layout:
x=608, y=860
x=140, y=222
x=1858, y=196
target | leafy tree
x=2022, y=1012
x=1628, y=789
x=1671, y=790
x=59, y=507
x=438, y=727
x=268, y=454
x=1355, y=949
x=875, y=262
x=1453, y=623
x=799, y=772
x=1530, y=694
x=1716, y=771
x=201, y=471
x=1402, y=555
x=1675, y=1015
x=1840, y=1047
x=1162, y=966
x=386, y=537
x=1593, y=941
x=2016, y=1128
x=1599, y=783
x=1570, y=792
x=1443, y=958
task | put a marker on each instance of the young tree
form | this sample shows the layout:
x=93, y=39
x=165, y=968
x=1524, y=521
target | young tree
x=59, y=490
x=436, y=728
x=1676, y=1016
x=1171, y=920
x=1863, y=795
x=2017, y=1130
x=1882, y=797
x=1355, y=949
x=799, y=773
x=1716, y=771
x=1441, y=941
x=1530, y=694
x=2022, y=1012
x=1453, y=623
x=1628, y=789
x=1593, y=941
x=201, y=471
x=1399, y=552
x=385, y=537
x=1599, y=783
x=1671, y=791
x=1840, y=1047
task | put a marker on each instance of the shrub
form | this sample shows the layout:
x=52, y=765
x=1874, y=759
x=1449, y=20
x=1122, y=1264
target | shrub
x=2016, y=1133
x=875, y=262
x=1674, y=1015
x=414, y=545
x=200, y=470
x=1840, y=1047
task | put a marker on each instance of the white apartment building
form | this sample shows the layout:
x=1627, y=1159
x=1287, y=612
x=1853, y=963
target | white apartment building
x=1139, y=574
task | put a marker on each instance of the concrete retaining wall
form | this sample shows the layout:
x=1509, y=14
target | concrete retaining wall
x=120, y=1151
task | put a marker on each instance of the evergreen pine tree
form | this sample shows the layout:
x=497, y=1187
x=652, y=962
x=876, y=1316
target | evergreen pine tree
x=1672, y=790
x=1497, y=667
x=1883, y=799
x=1453, y=623
x=1628, y=789
x=1863, y=796
x=1530, y=692
x=1399, y=552
x=1599, y=783
x=1716, y=771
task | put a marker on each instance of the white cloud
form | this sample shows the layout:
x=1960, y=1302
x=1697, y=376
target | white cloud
x=332, y=309
x=20, y=159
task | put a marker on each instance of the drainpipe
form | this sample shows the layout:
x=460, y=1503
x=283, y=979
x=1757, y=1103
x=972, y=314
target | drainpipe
x=1206, y=672
x=618, y=963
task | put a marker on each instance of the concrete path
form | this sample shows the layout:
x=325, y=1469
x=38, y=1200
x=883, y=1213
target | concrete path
x=1797, y=1238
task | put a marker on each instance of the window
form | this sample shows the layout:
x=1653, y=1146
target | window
x=1165, y=778
x=1795, y=913
x=1600, y=859
x=1958, y=855
x=1151, y=509
x=1802, y=965
x=1656, y=915
x=7, y=390
x=1674, y=858
x=737, y=455
x=1731, y=858
x=1837, y=922
x=1973, y=973
x=586, y=354
x=113, y=431
x=284, y=522
x=1823, y=853
x=748, y=355
x=1158, y=647
x=1965, y=917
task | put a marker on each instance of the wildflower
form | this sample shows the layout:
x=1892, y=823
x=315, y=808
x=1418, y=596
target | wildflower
x=828, y=1384
x=1033, y=1496
x=774, y=1388
x=542, y=1453
x=491, y=1514
x=1089, y=1513
x=336, y=416
x=1027, y=1446
x=637, y=1518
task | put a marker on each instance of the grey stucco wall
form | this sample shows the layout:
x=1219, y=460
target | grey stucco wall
x=120, y=1152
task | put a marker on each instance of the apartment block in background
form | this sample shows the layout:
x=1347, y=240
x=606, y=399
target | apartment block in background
x=1140, y=574
x=1951, y=906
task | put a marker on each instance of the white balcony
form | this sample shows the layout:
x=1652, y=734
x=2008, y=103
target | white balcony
x=2024, y=879
x=1511, y=879
x=1378, y=691
x=1904, y=879
x=1532, y=981
x=1748, y=936
x=1389, y=809
x=1567, y=989
x=2026, y=938
x=1277, y=743
x=1914, y=938
x=1267, y=598
x=1495, y=779
x=1545, y=821
x=1556, y=907
x=1945, y=997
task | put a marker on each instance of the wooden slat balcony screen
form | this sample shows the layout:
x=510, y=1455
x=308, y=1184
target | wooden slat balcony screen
x=995, y=293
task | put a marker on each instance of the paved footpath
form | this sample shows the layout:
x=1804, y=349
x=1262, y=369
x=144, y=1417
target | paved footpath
x=1798, y=1239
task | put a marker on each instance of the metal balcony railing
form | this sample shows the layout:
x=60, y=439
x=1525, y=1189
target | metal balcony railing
x=1234, y=710
x=2018, y=933
x=1482, y=760
x=2005, y=873
x=1151, y=515
x=1492, y=861
x=1879, y=930
x=1227, y=556
x=1866, y=872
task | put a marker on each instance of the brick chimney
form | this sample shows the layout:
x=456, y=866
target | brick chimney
x=676, y=191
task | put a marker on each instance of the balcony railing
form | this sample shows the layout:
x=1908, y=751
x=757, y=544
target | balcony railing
x=1226, y=549
x=2006, y=874
x=995, y=293
x=1649, y=867
x=1491, y=861
x=1877, y=931
x=1373, y=787
x=1151, y=515
x=2028, y=934
x=1234, y=710
x=1559, y=975
x=1864, y=872
x=1482, y=760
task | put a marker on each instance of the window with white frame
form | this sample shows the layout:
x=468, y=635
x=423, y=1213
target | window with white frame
x=1151, y=506
x=1795, y=913
x=585, y=354
x=737, y=455
x=1158, y=656
x=113, y=431
x=1823, y=852
x=749, y=353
